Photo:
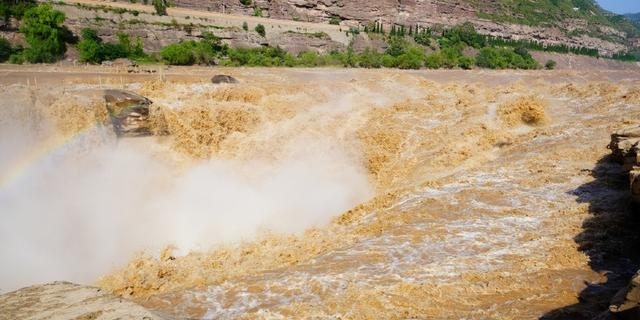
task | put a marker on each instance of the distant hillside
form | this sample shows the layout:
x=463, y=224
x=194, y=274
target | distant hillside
x=584, y=16
x=634, y=18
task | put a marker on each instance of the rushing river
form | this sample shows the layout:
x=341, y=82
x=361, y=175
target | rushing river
x=346, y=194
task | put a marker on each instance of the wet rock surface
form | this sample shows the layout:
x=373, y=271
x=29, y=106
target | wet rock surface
x=129, y=113
x=624, y=149
x=66, y=300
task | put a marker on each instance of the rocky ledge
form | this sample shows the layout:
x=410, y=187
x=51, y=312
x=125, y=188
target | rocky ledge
x=65, y=300
x=129, y=112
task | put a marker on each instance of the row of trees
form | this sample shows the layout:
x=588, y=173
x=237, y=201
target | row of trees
x=467, y=34
x=400, y=54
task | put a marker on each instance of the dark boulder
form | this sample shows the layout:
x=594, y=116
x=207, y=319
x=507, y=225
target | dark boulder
x=223, y=78
x=129, y=113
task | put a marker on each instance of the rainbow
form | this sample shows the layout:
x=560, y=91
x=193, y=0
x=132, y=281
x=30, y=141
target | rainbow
x=20, y=165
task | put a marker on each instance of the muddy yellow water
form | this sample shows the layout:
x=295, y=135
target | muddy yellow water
x=434, y=195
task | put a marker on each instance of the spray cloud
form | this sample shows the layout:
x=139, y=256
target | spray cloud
x=84, y=210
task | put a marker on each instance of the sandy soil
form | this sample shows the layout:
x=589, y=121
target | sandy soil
x=488, y=196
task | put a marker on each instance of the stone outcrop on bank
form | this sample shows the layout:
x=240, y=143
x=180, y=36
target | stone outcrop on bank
x=624, y=147
x=66, y=300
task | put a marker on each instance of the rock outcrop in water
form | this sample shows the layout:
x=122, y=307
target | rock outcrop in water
x=624, y=148
x=65, y=300
x=129, y=113
x=223, y=78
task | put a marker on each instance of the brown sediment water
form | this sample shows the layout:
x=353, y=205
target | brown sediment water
x=326, y=193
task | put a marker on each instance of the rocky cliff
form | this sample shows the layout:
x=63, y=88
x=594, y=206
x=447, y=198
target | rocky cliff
x=321, y=25
x=569, y=26
x=155, y=32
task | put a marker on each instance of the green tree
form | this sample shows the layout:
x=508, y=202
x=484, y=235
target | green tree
x=245, y=26
x=90, y=47
x=308, y=59
x=451, y=56
x=434, y=61
x=423, y=38
x=370, y=58
x=260, y=30
x=196, y=52
x=178, y=54
x=550, y=65
x=389, y=61
x=14, y=8
x=466, y=33
x=397, y=46
x=44, y=34
x=5, y=49
x=413, y=58
x=503, y=58
x=466, y=62
x=489, y=57
x=160, y=6
x=522, y=51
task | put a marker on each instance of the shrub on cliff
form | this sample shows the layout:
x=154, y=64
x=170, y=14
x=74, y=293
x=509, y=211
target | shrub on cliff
x=260, y=30
x=550, y=65
x=193, y=52
x=15, y=9
x=370, y=58
x=91, y=48
x=5, y=49
x=413, y=58
x=179, y=53
x=160, y=6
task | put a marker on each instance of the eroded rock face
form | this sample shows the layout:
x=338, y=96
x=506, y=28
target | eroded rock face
x=65, y=300
x=412, y=12
x=624, y=148
x=129, y=113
